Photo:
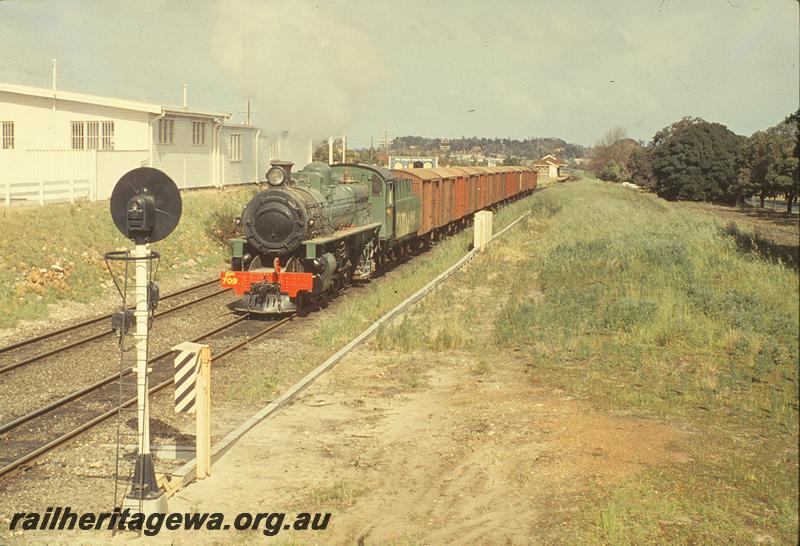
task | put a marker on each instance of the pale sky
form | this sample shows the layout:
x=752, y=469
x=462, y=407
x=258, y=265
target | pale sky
x=508, y=68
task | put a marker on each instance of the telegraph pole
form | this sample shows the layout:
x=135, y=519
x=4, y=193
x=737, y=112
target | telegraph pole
x=54, y=84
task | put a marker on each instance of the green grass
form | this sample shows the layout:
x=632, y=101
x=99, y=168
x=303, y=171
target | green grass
x=75, y=237
x=361, y=305
x=636, y=305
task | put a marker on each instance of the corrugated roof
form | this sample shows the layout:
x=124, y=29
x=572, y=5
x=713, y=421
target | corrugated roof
x=446, y=172
x=423, y=174
x=471, y=170
x=124, y=104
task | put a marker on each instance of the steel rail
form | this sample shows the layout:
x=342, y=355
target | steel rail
x=42, y=450
x=104, y=333
x=21, y=420
x=94, y=320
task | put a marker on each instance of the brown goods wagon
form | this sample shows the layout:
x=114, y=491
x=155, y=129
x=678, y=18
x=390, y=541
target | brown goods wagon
x=456, y=183
x=498, y=183
x=484, y=187
x=472, y=184
x=492, y=179
x=476, y=179
x=533, y=178
x=527, y=178
x=524, y=178
x=515, y=180
x=507, y=179
x=425, y=185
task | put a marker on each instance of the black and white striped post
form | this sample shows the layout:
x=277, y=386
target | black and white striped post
x=193, y=395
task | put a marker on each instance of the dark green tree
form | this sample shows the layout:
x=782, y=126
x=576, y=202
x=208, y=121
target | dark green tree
x=770, y=163
x=760, y=154
x=696, y=160
x=786, y=170
x=640, y=166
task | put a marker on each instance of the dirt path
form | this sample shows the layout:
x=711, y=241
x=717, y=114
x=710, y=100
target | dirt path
x=426, y=449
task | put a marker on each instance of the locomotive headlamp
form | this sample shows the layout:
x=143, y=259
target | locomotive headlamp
x=276, y=176
x=280, y=173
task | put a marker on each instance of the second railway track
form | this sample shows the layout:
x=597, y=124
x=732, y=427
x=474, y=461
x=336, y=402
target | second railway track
x=33, y=435
x=43, y=346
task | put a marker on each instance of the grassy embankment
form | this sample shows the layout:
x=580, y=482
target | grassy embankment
x=73, y=238
x=639, y=306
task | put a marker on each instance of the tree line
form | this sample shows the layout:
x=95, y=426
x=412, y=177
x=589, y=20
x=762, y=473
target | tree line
x=697, y=160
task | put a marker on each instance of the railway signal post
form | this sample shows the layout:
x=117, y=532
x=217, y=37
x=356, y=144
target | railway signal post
x=146, y=207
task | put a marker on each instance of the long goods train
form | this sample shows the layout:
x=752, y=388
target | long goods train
x=312, y=232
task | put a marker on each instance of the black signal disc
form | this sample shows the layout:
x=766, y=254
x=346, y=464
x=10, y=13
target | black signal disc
x=147, y=181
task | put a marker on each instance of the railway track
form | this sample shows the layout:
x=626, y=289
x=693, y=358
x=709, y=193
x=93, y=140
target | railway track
x=51, y=343
x=43, y=430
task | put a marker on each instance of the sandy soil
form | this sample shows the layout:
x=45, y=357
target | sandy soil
x=420, y=449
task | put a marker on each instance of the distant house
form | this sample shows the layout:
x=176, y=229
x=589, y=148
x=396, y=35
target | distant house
x=401, y=162
x=59, y=145
x=549, y=166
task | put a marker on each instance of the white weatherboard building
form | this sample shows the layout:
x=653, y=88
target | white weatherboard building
x=61, y=146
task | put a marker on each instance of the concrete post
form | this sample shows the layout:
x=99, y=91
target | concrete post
x=483, y=229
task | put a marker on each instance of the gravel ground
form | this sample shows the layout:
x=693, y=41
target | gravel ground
x=38, y=383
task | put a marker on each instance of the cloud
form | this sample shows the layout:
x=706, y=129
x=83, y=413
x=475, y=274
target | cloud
x=306, y=68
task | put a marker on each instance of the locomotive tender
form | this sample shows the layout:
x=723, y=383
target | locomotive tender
x=314, y=231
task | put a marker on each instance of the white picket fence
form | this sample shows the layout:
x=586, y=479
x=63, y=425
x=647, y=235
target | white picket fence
x=39, y=177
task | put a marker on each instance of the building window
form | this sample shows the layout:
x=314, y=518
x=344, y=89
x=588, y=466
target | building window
x=92, y=135
x=236, y=147
x=77, y=135
x=198, y=132
x=166, y=131
x=108, y=135
x=8, y=135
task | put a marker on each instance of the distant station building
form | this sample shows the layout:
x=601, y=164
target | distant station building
x=549, y=166
x=59, y=145
x=399, y=162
